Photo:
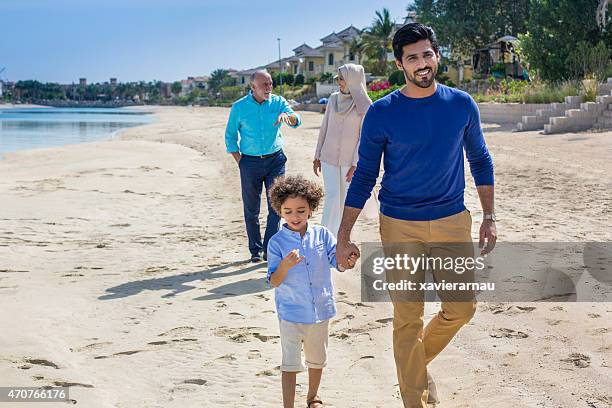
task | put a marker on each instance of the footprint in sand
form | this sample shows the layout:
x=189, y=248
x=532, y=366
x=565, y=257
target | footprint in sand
x=227, y=357
x=553, y=322
x=93, y=346
x=162, y=342
x=42, y=362
x=71, y=384
x=510, y=310
x=508, y=333
x=269, y=373
x=196, y=381
x=601, y=330
x=578, y=359
x=365, y=329
x=262, y=296
x=340, y=320
x=121, y=353
x=243, y=334
x=253, y=354
x=594, y=315
x=178, y=331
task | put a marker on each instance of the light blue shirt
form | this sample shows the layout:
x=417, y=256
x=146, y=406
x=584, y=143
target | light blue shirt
x=307, y=293
x=254, y=123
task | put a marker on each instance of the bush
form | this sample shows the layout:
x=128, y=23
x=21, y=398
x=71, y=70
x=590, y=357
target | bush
x=442, y=78
x=379, y=86
x=397, y=78
x=500, y=67
x=326, y=76
x=376, y=95
x=535, y=92
x=288, y=78
x=299, y=80
x=608, y=73
x=231, y=93
x=293, y=92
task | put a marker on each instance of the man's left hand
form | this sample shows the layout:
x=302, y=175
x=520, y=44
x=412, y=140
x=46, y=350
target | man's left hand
x=286, y=118
x=488, y=233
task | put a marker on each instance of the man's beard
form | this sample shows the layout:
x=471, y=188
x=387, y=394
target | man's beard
x=422, y=82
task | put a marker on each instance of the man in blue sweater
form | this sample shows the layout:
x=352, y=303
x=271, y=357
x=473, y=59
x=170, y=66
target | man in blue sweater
x=421, y=131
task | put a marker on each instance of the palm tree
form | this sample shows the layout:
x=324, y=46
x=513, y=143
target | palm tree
x=601, y=12
x=357, y=48
x=377, y=39
x=217, y=79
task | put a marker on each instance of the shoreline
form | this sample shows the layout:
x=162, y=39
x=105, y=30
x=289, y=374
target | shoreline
x=115, y=135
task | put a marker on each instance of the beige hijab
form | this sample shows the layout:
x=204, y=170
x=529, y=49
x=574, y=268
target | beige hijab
x=355, y=80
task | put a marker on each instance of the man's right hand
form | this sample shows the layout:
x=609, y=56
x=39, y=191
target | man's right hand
x=237, y=156
x=347, y=254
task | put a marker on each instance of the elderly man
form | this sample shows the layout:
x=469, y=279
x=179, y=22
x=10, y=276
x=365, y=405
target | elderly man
x=257, y=119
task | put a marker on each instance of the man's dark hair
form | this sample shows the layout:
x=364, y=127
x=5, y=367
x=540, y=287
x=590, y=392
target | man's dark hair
x=410, y=34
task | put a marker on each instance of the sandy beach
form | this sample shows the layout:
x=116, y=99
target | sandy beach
x=124, y=274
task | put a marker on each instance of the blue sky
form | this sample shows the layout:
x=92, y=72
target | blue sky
x=62, y=40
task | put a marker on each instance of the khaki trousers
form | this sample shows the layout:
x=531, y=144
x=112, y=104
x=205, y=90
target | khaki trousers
x=414, y=347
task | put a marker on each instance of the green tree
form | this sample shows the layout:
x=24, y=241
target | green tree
x=357, y=47
x=288, y=79
x=465, y=25
x=397, y=78
x=176, y=88
x=377, y=40
x=556, y=31
x=220, y=78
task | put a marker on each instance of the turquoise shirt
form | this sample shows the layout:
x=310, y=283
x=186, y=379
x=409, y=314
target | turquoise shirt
x=307, y=293
x=254, y=123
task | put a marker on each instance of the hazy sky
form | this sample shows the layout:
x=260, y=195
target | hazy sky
x=62, y=40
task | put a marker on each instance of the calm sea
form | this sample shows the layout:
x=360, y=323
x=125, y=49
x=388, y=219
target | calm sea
x=51, y=127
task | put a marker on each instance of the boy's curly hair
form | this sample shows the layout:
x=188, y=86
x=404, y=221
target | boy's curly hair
x=295, y=186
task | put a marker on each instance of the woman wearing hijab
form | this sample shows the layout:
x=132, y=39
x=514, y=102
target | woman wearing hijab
x=336, y=154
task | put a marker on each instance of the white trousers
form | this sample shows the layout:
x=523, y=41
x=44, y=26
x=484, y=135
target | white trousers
x=336, y=186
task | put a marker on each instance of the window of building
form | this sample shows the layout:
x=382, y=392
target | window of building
x=295, y=68
x=330, y=59
x=351, y=57
x=311, y=65
x=445, y=69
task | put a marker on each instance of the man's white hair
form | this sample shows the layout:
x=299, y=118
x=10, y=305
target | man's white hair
x=259, y=72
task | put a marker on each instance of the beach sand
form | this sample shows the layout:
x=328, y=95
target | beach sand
x=123, y=273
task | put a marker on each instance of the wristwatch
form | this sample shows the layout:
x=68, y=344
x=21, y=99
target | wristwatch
x=491, y=217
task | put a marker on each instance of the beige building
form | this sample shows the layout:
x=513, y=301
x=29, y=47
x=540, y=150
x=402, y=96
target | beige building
x=191, y=83
x=334, y=51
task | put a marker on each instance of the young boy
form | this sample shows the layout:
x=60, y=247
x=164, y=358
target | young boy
x=299, y=260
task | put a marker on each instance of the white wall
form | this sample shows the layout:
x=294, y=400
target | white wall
x=324, y=90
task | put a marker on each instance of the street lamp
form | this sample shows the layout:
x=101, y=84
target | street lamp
x=280, y=66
